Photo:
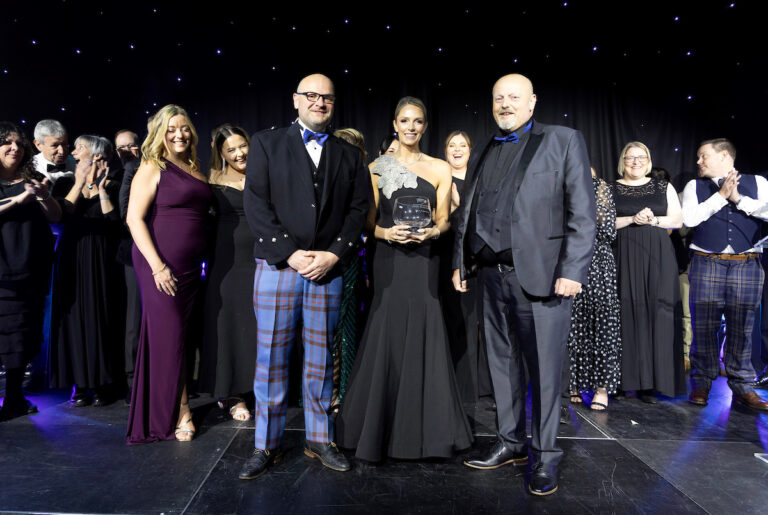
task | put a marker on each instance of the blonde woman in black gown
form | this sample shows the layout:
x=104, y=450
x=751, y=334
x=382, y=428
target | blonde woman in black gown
x=403, y=401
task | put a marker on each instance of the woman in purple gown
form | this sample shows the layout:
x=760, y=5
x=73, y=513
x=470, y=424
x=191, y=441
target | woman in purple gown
x=166, y=214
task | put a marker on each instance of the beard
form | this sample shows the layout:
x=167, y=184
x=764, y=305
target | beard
x=506, y=124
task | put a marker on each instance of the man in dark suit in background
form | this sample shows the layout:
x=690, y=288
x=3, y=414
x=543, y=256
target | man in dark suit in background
x=528, y=221
x=306, y=198
x=128, y=150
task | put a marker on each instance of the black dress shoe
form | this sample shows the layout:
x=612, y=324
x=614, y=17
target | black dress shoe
x=80, y=400
x=498, y=456
x=99, y=400
x=258, y=463
x=10, y=411
x=648, y=397
x=762, y=380
x=328, y=454
x=543, y=479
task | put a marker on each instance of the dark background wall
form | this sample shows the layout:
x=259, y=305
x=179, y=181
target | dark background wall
x=667, y=73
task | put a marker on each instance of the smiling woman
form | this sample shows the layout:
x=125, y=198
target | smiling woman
x=228, y=352
x=402, y=400
x=166, y=215
x=26, y=254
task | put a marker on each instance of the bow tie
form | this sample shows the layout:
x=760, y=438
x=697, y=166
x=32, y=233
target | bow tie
x=56, y=168
x=513, y=137
x=317, y=136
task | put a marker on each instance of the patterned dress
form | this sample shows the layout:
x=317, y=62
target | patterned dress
x=594, y=342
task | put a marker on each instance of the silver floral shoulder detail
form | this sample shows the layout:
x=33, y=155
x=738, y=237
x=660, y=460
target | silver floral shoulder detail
x=393, y=175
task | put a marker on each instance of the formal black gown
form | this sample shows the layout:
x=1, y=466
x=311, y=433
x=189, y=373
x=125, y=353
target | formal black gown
x=26, y=256
x=470, y=359
x=594, y=341
x=649, y=291
x=402, y=400
x=229, y=347
x=86, y=343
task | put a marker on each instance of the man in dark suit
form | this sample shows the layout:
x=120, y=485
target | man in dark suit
x=528, y=221
x=306, y=198
x=127, y=147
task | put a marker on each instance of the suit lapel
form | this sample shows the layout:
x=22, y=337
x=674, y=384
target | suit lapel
x=534, y=140
x=298, y=161
x=333, y=153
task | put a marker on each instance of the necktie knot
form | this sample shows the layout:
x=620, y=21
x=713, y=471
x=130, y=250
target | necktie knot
x=317, y=136
x=720, y=182
x=56, y=168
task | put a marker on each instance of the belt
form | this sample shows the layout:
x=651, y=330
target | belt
x=501, y=267
x=730, y=257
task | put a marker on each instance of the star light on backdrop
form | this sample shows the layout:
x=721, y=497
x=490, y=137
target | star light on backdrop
x=690, y=70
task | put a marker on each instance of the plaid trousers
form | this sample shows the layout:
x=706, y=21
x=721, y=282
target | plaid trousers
x=718, y=287
x=281, y=298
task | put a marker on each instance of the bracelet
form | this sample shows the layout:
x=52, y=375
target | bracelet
x=43, y=199
x=163, y=268
x=438, y=233
x=104, y=198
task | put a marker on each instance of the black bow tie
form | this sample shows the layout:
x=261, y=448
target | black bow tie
x=57, y=168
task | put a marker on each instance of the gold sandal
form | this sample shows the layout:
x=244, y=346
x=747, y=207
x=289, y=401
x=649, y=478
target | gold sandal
x=182, y=432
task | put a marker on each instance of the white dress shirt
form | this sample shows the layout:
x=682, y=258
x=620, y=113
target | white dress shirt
x=695, y=212
x=313, y=147
x=41, y=165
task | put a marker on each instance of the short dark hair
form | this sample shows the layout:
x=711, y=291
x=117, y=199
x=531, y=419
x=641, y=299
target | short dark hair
x=720, y=144
x=129, y=131
x=385, y=143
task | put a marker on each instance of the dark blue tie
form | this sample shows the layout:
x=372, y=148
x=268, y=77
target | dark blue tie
x=317, y=136
x=720, y=182
x=513, y=137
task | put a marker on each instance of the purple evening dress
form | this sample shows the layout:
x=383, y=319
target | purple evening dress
x=176, y=224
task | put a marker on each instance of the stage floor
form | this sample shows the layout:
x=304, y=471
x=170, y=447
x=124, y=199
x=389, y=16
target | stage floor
x=635, y=458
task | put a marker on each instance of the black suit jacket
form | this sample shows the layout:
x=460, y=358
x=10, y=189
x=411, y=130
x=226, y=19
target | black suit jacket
x=279, y=197
x=553, y=216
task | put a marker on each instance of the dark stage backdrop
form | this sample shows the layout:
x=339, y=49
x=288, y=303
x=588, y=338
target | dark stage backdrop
x=666, y=73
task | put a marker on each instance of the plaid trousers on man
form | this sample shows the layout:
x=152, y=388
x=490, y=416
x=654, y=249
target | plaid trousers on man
x=732, y=288
x=281, y=298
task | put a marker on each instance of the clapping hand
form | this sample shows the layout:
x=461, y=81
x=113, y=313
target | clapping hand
x=38, y=189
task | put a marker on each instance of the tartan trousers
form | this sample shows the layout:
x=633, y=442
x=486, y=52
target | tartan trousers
x=281, y=298
x=734, y=289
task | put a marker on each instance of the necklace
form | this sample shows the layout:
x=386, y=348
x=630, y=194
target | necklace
x=411, y=162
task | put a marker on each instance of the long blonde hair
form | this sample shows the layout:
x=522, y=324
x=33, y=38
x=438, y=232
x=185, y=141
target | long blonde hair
x=153, y=149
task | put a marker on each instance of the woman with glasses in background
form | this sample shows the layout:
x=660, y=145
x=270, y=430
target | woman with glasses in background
x=647, y=274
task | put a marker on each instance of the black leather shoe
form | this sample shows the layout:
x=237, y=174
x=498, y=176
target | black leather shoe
x=543, y=479
x=258, y=463
x=498, y=456
x=9, y=411
x=762, y=380
x=328, y=454
x=99, y=400
x=647, y=396
x=80, y=400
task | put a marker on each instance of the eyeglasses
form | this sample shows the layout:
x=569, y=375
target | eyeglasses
x=127, y=147
x=314, y=97
x=639, y=159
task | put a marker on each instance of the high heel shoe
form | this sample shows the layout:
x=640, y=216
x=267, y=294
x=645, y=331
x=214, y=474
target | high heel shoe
x=183, y=433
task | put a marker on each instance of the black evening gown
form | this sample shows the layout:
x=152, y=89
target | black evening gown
x=402, y=400
x=229, y=347
x=86, y=343
x=26, y=256
x=460, y=310
x=594, y=341
x=649, y=289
